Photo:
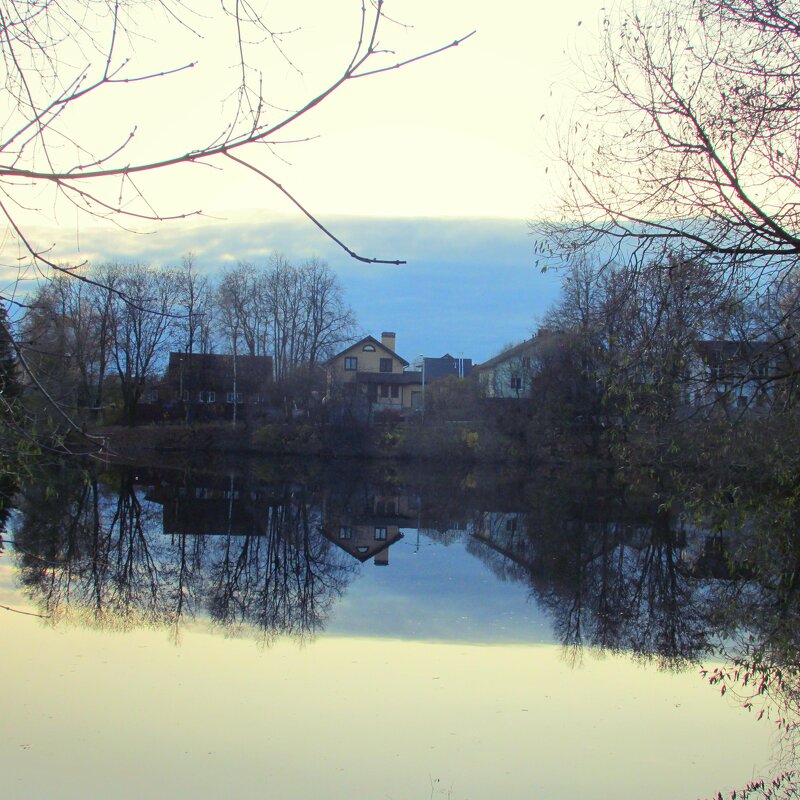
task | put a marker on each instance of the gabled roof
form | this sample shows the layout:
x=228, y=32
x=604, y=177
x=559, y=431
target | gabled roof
x=359, y=550
x=512, y=352
x=368, y=340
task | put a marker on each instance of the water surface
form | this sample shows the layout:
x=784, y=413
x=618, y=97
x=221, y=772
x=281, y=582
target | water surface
x=209, y=634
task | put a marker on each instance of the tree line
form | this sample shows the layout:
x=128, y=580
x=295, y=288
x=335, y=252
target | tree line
x=635, y=337
x=677, y=184
x=110, y=329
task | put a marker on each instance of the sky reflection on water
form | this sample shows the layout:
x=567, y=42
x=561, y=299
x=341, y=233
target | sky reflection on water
x=131, y=715
x=440, y=594
x=458, y=670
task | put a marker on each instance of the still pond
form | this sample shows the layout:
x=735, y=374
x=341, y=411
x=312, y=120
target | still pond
x=373, y=631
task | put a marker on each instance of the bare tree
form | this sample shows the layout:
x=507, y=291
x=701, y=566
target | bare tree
x=140, y=319
x=308, y=317
x=67, y=62
x=329, y=321
x=686, y=141
x=193, y=307
x=65, y=338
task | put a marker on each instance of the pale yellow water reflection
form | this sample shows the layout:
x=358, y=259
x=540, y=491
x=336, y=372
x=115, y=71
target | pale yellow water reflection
x=89, y=714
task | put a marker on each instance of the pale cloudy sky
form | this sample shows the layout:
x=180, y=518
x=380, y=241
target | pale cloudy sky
x=458, y=143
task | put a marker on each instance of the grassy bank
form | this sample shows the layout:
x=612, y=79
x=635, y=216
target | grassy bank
x=473, y=441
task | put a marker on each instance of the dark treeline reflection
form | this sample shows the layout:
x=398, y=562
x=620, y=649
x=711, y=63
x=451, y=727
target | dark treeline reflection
x=269, y=549
x=613, y=571
x=273, y=547
x=141, y=547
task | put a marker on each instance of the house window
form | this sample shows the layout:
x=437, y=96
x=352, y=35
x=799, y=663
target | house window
x=516, y=382
x=345, y=532
x=368, y=348
x=384, y=390
x=526, y=362
x=386, y=365
x=395, y=391
x=207, y=397
x=511, y=524
x=152, y=395
x=229, y=397
x=185, y=396
x=380, y=534
x=351, y=363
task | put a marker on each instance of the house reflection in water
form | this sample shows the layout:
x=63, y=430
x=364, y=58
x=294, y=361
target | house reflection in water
x=367, y=523
x=212, y=508
x=362, y=519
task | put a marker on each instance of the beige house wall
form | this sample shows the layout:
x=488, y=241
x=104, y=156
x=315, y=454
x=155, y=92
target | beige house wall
x=368, y=355
x=367, y=361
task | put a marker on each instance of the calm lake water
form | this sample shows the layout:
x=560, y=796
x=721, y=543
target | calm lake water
x=356, y=631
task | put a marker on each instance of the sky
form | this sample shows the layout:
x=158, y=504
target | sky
x=442, y=163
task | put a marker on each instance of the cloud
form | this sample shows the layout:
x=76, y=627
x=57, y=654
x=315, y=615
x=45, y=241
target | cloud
x=469, y=286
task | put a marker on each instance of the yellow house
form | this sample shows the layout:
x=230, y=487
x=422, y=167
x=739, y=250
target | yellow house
x=370, y=373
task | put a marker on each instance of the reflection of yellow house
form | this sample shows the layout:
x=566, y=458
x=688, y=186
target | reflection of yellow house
x=372, y=372
x=368, y=531
x=366, y=541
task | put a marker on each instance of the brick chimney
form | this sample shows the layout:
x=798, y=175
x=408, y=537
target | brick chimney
x=388, y=339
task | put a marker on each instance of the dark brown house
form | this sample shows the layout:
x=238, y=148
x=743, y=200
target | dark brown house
x=214, y=378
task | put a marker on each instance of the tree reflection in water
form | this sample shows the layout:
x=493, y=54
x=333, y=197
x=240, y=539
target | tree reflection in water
x=616, y=569
x=609, y=569
x=622, y=571
x=110, y=554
